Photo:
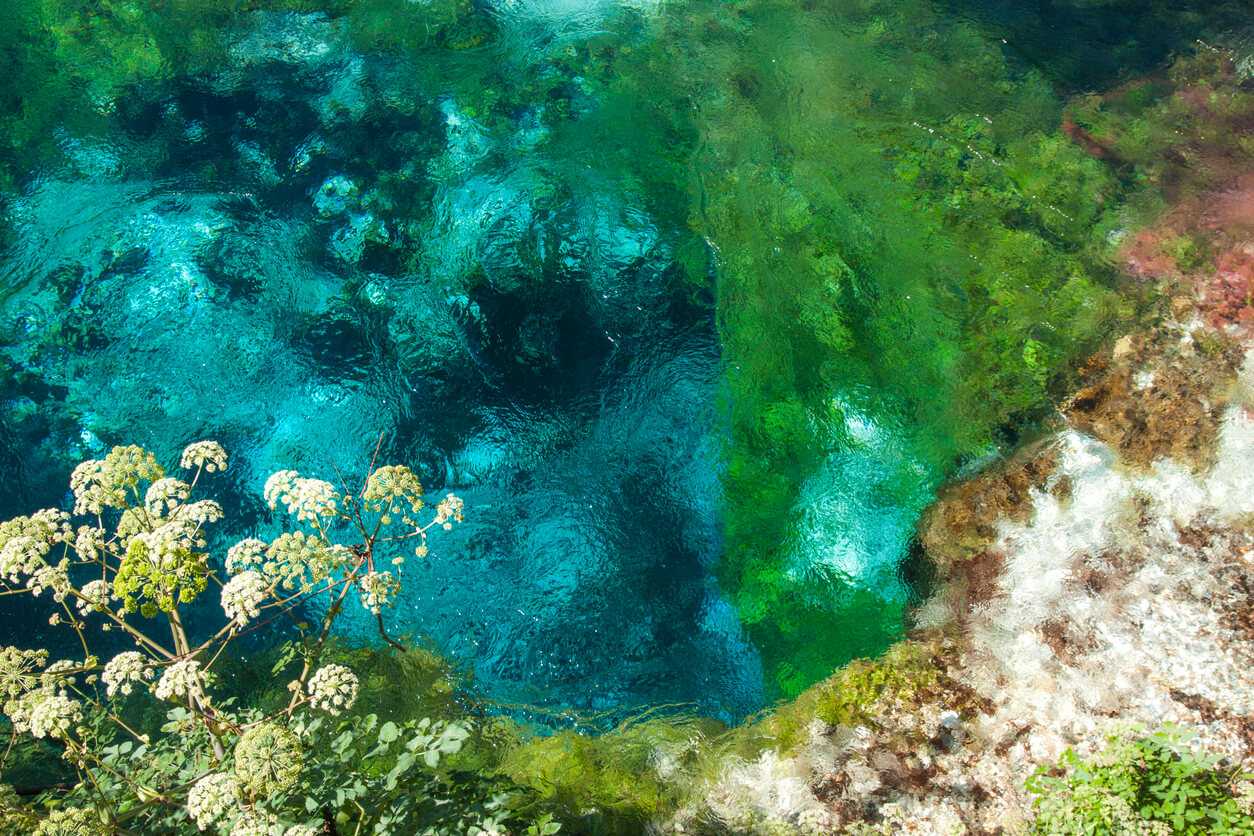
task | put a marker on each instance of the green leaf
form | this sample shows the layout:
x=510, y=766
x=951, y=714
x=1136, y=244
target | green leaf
x=389, y=732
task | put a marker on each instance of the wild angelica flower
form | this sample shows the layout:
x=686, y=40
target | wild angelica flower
x=332, y=688
x=308, y=499
x=267, y=760
x=298, y=561
x=246, y=552
x=182, y=679
x=56, y=678
x=255, y=823
x=212, y=799
x=43, y=713
x=165, y=495
x=202, y=511
x=24, y=541
x=390, y=484
x=89, y=542
x=55, y=578
x=103, y=483
x=377, y=590
x=18, y=670
x=450, y=507
x=206, y=454
x=72, y=821
x=123, y=669
x=242, y=594
x=302, y=830
x=95, y=597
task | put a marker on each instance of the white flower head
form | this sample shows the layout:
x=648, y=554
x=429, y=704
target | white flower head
x=377, y=590
x=25, y=541
x=307, y=499
x=450, y=507
x=333, y=688
x=72, y=821
x=212, y=799
x=123, y=669
x=246, y=552
x=182, y=679
x=166, y=494
x=392, y=484
x=256, y=823
x=55, y=578
x=242, y=595
x=44, y=713
x=206, y=454
x=89, y=542
x=103, y=483
x=95, y=597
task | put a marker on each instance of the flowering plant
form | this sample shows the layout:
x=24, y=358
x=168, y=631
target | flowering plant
x=153, y=745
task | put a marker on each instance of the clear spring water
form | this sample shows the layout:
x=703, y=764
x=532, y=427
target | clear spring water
x=315, y=246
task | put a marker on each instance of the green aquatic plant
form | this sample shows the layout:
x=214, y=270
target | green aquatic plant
x=893, y=248
x=1143, y=783
x=151, y=738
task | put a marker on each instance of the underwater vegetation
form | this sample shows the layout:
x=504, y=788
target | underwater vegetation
x=909, y=270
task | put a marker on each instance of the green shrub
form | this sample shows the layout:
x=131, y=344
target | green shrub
x=1142, y=784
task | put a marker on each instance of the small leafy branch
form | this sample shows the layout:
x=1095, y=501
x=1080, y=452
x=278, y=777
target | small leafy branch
x=1143, y=785
x=304, y=765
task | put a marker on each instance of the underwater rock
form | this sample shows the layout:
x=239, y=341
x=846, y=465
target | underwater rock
x=1164, y=396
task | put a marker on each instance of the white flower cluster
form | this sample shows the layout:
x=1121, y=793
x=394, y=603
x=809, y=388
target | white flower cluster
x=294, y=560
x=182, y=679
x=242, y=595
x=167, y=546
x=202, y=511
x=302, y=830
x=256, y=823
x=55, y=578
x=377, y=590
x=24, y=541
x=95, y=597
x=308, y=499
x=212, y=799
x=391, y=484
x=72, y=821
x=333, y=688
x=57, y=676
x=44, y=713
x=89, y=542
x=450, y=507
x=814, y=821
x=123, y=669
x=206, y=454
x=166, y=494
x=17, y=670
x=246, y=552
x=102, y=483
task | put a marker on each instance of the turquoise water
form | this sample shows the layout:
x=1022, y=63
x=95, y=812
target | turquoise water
x=475, y=233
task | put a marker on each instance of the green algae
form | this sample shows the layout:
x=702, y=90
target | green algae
x=901, y=230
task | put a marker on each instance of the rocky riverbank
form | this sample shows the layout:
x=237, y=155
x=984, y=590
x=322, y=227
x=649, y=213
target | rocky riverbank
x=1103, y=575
